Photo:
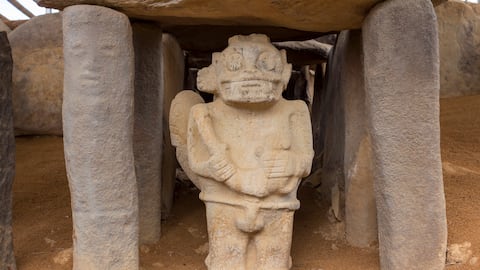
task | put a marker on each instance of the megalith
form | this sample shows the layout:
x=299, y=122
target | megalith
x=37, y=87
x=7, y=155
x=459, y=38
x=4, y=27
x=98, y=117
x=401, y=63
x=347, y=176
x=147, y=134
x=173, y=70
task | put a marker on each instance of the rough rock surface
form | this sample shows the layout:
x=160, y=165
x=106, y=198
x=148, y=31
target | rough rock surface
x=360, y=209
x=98, y=117
x=7, y=155
x=317, y=16
x=147, y=135
x=173, y=65
x=4, y=27
x=37, y=49
x=459, y=35
x=400, y=45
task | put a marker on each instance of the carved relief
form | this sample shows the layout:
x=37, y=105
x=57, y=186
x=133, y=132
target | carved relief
x=247, y=152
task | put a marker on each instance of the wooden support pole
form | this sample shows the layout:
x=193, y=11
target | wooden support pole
x=20, y=7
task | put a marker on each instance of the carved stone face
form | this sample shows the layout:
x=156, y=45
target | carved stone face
x=249, y=70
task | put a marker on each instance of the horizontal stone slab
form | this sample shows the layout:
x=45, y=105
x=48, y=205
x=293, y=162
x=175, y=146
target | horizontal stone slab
x=306, y=15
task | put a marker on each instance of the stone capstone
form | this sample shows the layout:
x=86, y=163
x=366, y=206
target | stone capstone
x=316, y=16
x=7, y=155
x=37, y=50
x=98, y=122
x=459, y=35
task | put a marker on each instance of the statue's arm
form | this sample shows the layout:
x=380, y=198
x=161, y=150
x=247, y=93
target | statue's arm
x=302, y=145
x=297, y=160
x=207, y=156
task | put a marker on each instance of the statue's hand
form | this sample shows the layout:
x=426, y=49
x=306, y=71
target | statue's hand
x=221, y=168
x=279, y=164
x=281, y=170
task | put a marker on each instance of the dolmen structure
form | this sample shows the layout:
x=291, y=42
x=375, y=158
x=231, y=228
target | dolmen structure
x=372, y=132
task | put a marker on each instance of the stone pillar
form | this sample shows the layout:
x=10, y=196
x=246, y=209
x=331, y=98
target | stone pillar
x=360, y=211
x=400, y=46
x=332, y=132
x=347, y=174
x=98, y=129
x=7, y=155
x=173, y=68
x=147, y=135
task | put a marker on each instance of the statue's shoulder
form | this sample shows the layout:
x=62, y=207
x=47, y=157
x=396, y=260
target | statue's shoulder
x=200, y=109
x=294, y=106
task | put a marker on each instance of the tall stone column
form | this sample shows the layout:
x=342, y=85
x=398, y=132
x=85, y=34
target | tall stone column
x=7, y=155
x=98, y=130
x=147, y=140
x=173, y=68
x=402, y=98
x=348, y=157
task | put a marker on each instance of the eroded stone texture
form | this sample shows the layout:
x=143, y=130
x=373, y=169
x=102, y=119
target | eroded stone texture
x=147, y=135
x=37, y=49
x=319, y=16
x=4, y=27
x=173, y=68
x=329, y=137
x=459, y=35
x=7, y=155
x=248, y=148
x=346, y=79
x=401, y=63
x=98, y=130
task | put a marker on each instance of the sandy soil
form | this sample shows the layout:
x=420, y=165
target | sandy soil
x=42, y=218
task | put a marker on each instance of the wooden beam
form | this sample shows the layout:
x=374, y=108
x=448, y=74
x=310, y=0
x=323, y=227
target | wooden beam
x=20, y=7
x=3, y=18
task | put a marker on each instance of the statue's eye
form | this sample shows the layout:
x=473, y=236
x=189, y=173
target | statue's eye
x=267, y=61
x=234, y=61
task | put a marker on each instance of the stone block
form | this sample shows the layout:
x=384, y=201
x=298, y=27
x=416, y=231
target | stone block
x=7, y=155
x=148, y=135
x=37, y=49
x=459, y=37
x=98, y=119
x=173, y=70
x=401, y=63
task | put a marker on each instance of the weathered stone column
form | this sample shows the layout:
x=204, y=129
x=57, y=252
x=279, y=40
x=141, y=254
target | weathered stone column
x=348, y=160
x=173, y=69
x=7, y=155
x=402, y=96
x=147, y=139
x=360, y=211
x=98, y=130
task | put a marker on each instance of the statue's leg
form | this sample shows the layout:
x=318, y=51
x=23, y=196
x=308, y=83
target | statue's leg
x=401, y=63
x=227, y=244
x=147, y=139
x=273, y=243
x=7, y=155
x=98, y=130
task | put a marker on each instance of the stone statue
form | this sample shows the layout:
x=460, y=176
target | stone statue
x=247, y=152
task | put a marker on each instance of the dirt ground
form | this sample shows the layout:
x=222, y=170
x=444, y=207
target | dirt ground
x=43, y=225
